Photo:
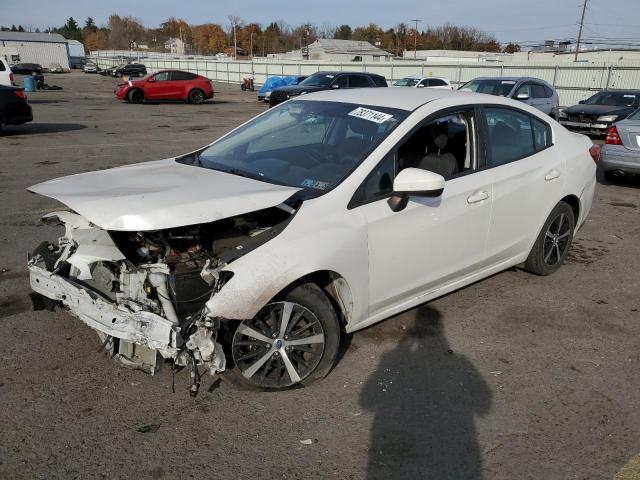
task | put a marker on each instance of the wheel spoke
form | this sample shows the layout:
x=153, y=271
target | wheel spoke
x=250, y=332
x=560, y=223
x=548, y=255
x=286, y=316
x=293, y=374
x=250, y=372
x=549, y=234
x=565, y=234
x=558, y=253
x=319, y=338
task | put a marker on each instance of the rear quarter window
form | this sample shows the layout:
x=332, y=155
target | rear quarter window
x=2, y=67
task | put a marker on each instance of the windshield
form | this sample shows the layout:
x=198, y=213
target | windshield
x=318, y=80
x=496, y=87
x=614, y=99
x=406, y=82
x=307, y=144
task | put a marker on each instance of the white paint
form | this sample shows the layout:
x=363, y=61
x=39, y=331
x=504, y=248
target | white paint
x=160, y=194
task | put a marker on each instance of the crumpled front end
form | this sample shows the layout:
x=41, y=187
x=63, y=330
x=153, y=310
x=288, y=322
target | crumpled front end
x=146, y=292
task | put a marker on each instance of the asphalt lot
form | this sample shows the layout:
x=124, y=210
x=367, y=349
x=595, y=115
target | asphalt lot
x=515, y=377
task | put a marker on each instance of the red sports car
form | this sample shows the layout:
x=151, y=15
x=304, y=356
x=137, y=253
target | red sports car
x=166, y=85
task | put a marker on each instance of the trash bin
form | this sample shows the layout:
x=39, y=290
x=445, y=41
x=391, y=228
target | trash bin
x=29, y=84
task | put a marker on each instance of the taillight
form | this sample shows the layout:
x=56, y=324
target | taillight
x=11, y=78
x=613, y=138
x=21, y=94
x=594, y=150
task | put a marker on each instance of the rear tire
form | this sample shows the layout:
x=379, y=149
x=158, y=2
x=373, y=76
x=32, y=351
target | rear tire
x=135, y=96
x=553, y=242
x=286, y=361
x=196, y=96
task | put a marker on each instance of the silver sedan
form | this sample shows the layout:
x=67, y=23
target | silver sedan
x=620, y=155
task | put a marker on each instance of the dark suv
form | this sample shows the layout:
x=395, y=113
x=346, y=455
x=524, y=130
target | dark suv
x=130, y=70
x=327, y=81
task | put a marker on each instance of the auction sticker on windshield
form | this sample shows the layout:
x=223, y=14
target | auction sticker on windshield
x=371, y=115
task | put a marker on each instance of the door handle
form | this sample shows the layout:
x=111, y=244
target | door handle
x=478, y=197
x=552, y=175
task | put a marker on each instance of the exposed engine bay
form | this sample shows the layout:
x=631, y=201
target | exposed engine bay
x=144, y=292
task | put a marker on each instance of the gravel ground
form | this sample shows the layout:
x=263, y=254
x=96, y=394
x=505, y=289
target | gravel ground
x=515, y=377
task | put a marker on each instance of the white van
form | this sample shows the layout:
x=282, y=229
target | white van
x=6, y=77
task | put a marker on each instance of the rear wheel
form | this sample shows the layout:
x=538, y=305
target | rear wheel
x=196, y=96
x=292, y=341
x=135, y=96
x=553, y=242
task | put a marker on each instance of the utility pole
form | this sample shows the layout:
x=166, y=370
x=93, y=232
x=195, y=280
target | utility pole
x=415, y=38
x=235, y=42
x=584, y=8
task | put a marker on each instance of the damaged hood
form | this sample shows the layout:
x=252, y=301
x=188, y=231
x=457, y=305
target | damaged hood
x=160, y=194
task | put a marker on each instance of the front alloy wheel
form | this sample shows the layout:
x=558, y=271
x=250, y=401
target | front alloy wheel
x=279, y=347
x=291, y=341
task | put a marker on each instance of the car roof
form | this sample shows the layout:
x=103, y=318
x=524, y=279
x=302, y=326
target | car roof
x=322, y=72
x=420, y=77
x=402, y=98
x=512, y=79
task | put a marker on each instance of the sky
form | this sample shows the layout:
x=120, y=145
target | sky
x=509, y=20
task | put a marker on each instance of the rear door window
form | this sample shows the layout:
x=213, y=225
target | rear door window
x=436, y=82
x=379, y=81
x=538, y=91
x=178, y=75
x=510, y=136
x=358, y=81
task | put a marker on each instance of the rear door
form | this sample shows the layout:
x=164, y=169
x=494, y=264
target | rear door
x=528, y=178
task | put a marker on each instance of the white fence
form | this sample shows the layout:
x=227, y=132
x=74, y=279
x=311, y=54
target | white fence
x=573, y=82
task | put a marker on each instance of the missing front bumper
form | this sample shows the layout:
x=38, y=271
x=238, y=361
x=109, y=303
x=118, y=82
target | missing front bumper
x=139, y=327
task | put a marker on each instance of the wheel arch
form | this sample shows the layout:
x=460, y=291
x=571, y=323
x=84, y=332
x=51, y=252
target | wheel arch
x=335, y=287
x=574, y=202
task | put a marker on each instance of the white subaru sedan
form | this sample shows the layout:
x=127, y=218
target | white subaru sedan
x=317, y=218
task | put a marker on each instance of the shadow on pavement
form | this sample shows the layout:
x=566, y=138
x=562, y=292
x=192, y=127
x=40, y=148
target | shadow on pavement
x=425, y=398
x=39, y=128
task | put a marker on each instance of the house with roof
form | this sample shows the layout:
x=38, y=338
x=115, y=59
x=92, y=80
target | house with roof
x=331, y=49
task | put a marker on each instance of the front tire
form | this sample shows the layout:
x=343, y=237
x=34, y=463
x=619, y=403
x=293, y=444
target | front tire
x=553, y=242
x=293, y=341
x=196, y=96
x=135, y=96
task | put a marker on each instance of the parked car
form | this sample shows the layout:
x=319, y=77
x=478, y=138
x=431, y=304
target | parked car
x=26, y=68
x=327, y=81
x=264, y=92
x=130, y=70
x=14, y=108
x=620, y=154
x=6, y=75
x=596, y=114
x=55, y=68
x=532, y=91
x=332, y=211
x=166, y=85
x=90, y=68
x=418, y=81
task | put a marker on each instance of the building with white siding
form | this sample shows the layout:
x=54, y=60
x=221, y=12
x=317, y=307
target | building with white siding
x=42, y=48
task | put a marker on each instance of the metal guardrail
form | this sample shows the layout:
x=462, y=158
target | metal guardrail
x=573, y=82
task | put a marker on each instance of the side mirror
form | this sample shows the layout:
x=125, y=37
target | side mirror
x=581, y=102
x=414, y=181
x=335, y=85
x=421, y=85
x=151, y=80
x=522, y=96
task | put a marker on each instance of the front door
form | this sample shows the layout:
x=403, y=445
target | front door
x=432, y=241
